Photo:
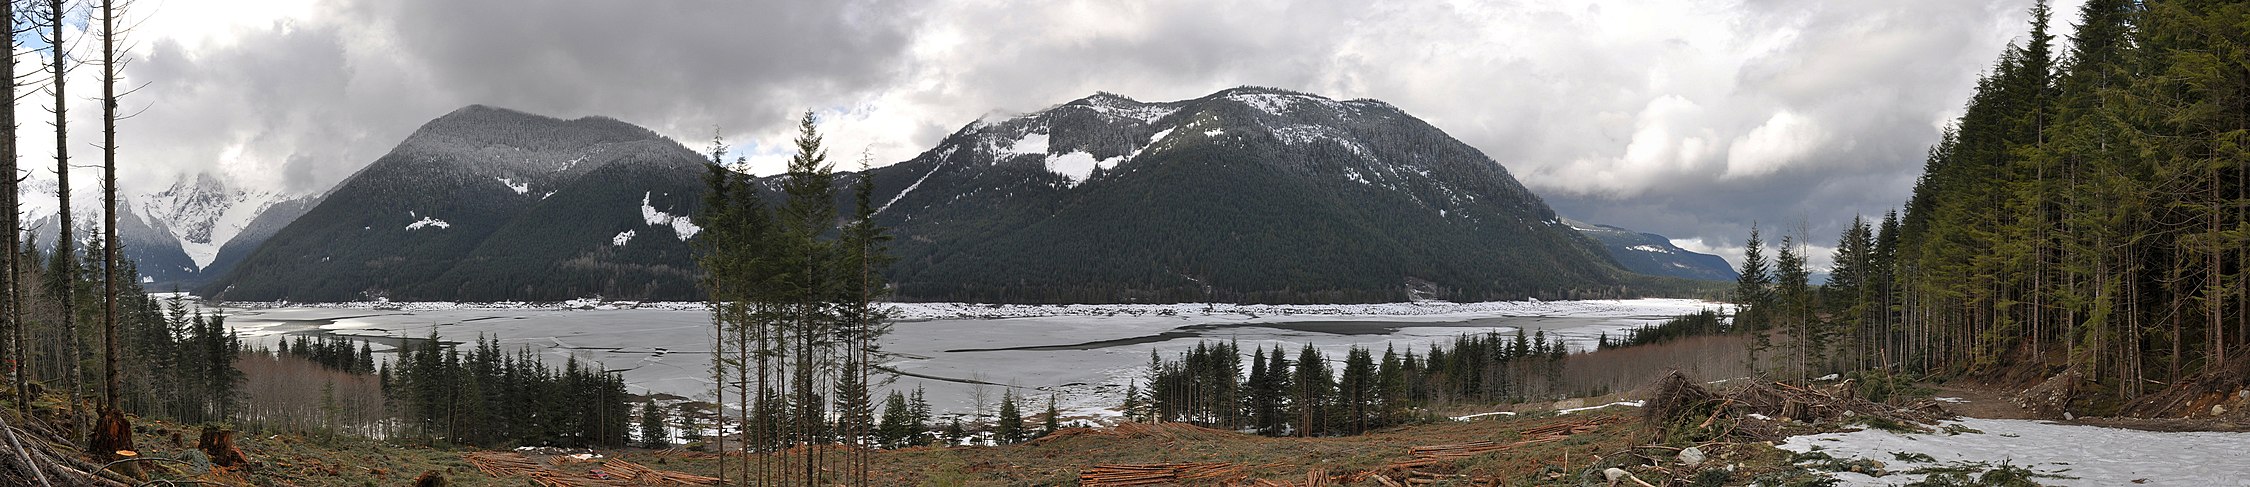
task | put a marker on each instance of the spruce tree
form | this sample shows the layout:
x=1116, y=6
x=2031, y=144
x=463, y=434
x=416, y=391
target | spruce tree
x=654, y=434
x=1009, y=428
x=1053, y=418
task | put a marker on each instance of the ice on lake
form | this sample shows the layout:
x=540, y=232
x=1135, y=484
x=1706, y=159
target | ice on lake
x=1085, y=355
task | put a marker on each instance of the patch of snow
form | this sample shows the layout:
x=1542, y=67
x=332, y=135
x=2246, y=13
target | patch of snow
x=1273, y=103
x=428, y=222
x=1031, y=143
x=520, y=188
x=1950, y=400
x=1214, y=132
x=1590, y=408
x=1160, y=134
x=910, y=188
x=680, y=224
x=1650, y=249
x=622, y=238
x=1480, y=415
x=2085, y=455
x=147, y=279
x=1121, y=107
x=1079, y=165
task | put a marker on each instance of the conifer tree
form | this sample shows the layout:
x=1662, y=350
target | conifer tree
x=653, y=428
x=1009, y=426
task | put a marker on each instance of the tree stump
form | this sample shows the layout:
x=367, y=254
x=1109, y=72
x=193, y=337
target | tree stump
x=112, y=434
x=219, y=445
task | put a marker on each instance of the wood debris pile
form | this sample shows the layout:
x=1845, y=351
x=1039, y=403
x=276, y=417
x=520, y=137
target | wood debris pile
x=1318, y=477
x=642, y=475
x=502, y=465
x=1171, y=432
x=614, y=472
x=1759, y=407
x=1156, y=473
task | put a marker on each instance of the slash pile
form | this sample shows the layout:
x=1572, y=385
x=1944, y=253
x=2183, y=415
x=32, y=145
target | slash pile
x=1156, y=473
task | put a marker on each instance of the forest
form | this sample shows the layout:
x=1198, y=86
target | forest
x=2080, y=227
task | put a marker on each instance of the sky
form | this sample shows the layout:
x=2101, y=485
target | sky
x=1693, y=119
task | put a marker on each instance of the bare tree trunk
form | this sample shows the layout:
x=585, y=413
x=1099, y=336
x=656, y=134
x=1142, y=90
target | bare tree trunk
x=114, y=433
x=65, y=243
x=11, y=300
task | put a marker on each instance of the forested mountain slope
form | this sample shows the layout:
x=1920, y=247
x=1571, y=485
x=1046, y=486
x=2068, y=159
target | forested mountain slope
x=488, y=204
x=1248, y=194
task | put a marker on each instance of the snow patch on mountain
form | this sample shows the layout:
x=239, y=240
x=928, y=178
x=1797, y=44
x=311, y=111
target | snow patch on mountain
x=622, y=238
x=1080, y=165
x=1030, y=144
x=680, y=224
x=428, y=222
x=1121, y=107
x=520, y=188
x=1272, y=103
x=1651, y=248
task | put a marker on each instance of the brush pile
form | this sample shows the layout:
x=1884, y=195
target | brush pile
x=610, y=473
x=1677, y=401
x=33, y=454
x=1157, y=473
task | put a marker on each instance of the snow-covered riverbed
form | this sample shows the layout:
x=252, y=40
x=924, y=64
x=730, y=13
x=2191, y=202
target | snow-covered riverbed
x=2066, y=454
x=1085, y=354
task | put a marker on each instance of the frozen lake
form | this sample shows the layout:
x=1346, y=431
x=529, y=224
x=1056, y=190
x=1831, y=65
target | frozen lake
x=1085, y=354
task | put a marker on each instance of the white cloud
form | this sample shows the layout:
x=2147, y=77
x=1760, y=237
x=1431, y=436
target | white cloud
x=1785, y=139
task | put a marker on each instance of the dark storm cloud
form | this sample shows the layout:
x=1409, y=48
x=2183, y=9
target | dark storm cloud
x=306, y=101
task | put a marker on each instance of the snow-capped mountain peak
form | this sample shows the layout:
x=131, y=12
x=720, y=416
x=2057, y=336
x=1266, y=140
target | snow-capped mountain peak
x=204, y=212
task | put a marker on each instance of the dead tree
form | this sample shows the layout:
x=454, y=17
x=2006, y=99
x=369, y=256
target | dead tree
x=66, y=245
x=113, y=433
x=11, y=298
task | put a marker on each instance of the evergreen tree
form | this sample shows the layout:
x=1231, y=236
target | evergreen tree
x=1052, y=420
x=896, y=430
x=653, y=432
x=1009, y=428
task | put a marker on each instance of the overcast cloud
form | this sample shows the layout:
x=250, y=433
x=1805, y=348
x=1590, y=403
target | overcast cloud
x=1691, y=119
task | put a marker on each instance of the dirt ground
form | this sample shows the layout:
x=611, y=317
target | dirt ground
x=1979, y=401
x=1990, y=402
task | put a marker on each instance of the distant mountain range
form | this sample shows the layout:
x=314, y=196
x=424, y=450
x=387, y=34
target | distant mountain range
x=1248, y=194
x=178, y=237
x=1653, y=254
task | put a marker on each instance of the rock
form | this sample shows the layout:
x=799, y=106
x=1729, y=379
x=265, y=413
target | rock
x=2218, y=410
x=2068, y=417
x=1691, y=456
x=1615, y=474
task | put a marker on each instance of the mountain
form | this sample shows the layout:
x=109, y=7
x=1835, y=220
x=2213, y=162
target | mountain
x=173, y=236
x=489, y=204
x=1248, y=194
x=1653, y=254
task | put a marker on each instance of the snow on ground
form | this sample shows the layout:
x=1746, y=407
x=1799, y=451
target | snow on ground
x=1079, y=165
x=681, y=225
x=2079, y=455
x=1633, y=404
x=519, y=188
x=428, y=222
